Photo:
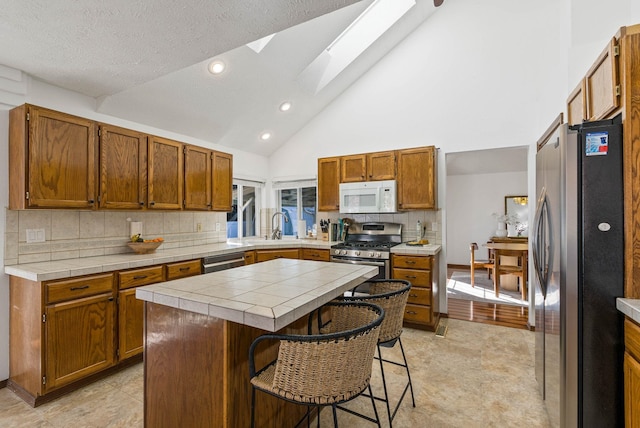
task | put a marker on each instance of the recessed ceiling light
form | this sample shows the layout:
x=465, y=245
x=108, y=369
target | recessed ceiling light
x=216, y=67
x=265, y=136
x=285, y=106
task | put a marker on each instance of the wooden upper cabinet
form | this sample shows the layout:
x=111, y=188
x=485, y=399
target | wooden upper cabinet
x=222, y=181
x=166, y=175
x=576, y=106
x=417, y=178
x=197, y=178
x=53, y=159
x=368, y=167
x=602, y=84
x=123, y=168
x=381, y=166
x=353, y=168
x=328, y=184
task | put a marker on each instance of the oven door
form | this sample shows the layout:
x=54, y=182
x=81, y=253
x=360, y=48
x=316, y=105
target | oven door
x=383, y=265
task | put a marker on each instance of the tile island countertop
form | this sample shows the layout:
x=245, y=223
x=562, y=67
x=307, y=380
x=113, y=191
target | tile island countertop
x=268, y=295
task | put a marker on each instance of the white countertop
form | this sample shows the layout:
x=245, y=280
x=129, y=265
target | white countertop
x=629, y=307
x=60, y=269
x=267, y=295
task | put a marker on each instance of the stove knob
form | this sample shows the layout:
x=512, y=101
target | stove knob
x=343, y=252
x=371, y=254
x=378, y=255
x=357, y=253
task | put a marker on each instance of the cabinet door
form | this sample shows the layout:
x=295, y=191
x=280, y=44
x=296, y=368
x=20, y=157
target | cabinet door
x=576, y=107
x=61, y=160
x=417, y=178
x=165, y=174
x=222, y=170
x=197, y=178
x=249, y=257
x=631, y=391
x=602, y=84
x=353, y=168
x=320, y=255
x=381, y=166
x=130, y=324
x=328, y=184
x=79, y=339
x=123, y=168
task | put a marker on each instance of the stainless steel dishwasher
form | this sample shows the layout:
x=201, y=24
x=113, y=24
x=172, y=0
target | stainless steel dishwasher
x=222, y=262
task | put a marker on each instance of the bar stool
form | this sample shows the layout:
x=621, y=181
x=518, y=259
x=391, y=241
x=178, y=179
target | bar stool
x=391, y=295
x=323, y=369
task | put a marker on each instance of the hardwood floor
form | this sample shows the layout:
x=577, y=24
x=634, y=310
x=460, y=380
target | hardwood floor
x=487, y=313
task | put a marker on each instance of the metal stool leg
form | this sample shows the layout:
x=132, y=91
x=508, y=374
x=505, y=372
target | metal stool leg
x=406, y=365
x=384, y=386
x=253, y=407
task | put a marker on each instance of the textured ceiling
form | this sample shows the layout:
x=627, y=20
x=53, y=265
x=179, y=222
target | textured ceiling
x=146, y=61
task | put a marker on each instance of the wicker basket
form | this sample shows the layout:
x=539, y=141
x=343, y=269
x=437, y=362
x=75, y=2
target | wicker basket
x=144, y=247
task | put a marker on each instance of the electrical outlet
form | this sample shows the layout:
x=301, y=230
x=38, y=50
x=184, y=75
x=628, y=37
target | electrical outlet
x=217, y=227
x=35, y=235
x=199, y=227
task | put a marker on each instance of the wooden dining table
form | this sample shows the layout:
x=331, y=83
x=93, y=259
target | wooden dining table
x=512, y=249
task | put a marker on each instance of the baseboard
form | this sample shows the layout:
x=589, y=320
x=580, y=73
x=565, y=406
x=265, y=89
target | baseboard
x=3, y=383
x=465, y=267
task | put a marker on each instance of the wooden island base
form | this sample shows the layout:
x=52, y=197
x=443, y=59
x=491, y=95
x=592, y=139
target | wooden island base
x=197, y=373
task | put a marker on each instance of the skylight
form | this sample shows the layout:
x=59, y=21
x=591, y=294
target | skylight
x=357, y=37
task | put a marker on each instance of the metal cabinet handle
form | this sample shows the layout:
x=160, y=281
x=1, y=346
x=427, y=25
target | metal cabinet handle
x=412, y=312
x=413, y=295
x=80, y=287
x=141, y=203
x=184, y=269
x=152, y=203
x=140, y=277
x=410, y=276
x=411, y=262
x=91, y=201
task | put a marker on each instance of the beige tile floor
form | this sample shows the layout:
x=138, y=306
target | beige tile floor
x=476, y=376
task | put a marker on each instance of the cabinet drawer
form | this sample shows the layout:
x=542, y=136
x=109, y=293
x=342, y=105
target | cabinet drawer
x=137, y=277
x=183, y=269
x=417, y=314
x=420, y=278
x=632, y=338
x=265, y=255
x=319, y=255
x=69, y=289
x=420, y=296
x=412, y=262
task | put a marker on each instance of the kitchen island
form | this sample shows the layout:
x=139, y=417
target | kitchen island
x=198, y=331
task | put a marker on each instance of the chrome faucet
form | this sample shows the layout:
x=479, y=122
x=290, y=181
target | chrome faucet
x=277, y=233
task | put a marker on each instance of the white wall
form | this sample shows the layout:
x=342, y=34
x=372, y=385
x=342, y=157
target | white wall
x=470, y=202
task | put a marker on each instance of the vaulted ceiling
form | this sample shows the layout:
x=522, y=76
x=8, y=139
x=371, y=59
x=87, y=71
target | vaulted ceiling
x=147, y=61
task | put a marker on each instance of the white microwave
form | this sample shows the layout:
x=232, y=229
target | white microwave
x=368, y=197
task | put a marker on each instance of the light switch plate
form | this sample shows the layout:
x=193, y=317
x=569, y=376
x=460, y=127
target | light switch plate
x=217, y=227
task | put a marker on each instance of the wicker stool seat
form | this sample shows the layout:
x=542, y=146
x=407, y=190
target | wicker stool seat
x=322, y=369
x=391, y=295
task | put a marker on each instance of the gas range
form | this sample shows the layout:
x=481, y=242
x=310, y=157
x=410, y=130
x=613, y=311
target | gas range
x=371, y=240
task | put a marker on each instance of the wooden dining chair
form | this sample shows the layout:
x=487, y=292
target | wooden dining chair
x=479, y=264
x=519, y=269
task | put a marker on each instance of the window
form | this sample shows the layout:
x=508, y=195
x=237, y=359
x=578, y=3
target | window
x=297, y=204
x=243, y=211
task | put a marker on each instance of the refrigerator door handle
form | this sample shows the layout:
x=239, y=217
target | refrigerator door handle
x=540, y=245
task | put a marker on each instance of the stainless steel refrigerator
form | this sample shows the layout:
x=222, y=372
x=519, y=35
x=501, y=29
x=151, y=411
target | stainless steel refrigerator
x=577, y=251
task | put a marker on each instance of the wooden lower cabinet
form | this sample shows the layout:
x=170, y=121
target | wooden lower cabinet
x=632, y=374
x=60, y=332
x=131, y=310
x=80, y=339
x=420, y=311
x=249, y=257
x=320, y=255
x=287, y=253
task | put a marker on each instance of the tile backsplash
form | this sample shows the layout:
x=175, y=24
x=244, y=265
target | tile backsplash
x=431, y=220
x=73, y=234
